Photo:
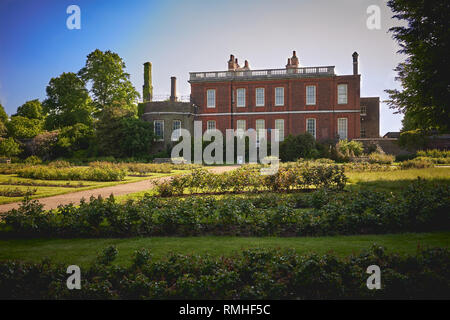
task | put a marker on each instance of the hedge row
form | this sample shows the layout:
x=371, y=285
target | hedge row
x=251, y=274
x=421, y=206
x=249, y=178
x=73, y=173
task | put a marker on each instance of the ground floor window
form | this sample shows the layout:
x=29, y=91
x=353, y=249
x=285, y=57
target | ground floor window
x=279, y=124
x=211, y=125
x=158, y=127
x=311, y=126
x=363, y=133
x=342, y=126
x=176, y=126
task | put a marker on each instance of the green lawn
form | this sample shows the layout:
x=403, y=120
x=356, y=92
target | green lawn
x=83, y=251
x=397, y=179
x=46, y=191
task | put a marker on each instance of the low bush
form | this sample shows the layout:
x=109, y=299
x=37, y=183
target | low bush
x=434, y=153
x=441, y=160
x=250, y=274
x=381, y=158
x=301, y=175
x=422, y=206
x=33, y=160
x=416, y=164
x=16, y=192
x=73, y=173
x=350, y=148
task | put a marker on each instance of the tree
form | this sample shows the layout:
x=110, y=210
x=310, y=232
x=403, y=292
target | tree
x=110, y=83
x=9, y=147
x=44, y=145
x=120, y=133
x=24, y=128
x=74, y=138
x=68, y=102
x=3, y=115
x=425, y=97
x=301, y=146
x=31, y=109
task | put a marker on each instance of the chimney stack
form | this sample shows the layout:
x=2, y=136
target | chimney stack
x=147, y=88
x=355, y=63
x=231, y=65
x=173, y=89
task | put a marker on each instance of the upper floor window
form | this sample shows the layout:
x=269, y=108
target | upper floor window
x=211, y=98
x=176, y=126
x=158, y=127
x=279, y=96
x=310, y=95
x=363, y=110
x=279, y=125
x=311, y=127
x=240, y=97
x=260, y=97
x=342, y=93
x=211, y=125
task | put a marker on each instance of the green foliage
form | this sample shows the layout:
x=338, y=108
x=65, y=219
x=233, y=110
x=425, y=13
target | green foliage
x=24, y=128
x=250, y=274
x=110, y=83
x=72, y=173
x=350, y=148
x=295, y=147
x=120, y=134
x=416, y=163
x=424, y=37
x=74, y=138
x=3, y=115
x=44, y=145
x=31, y=109
x=381, y=158
x=9, y=147
x=419, y=207
x=33, y=160
x=16, y=192
x=68, y=102
x=434, y=153
x=413, y=139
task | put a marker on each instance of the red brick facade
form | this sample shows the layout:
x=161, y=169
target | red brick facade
x=294, y=110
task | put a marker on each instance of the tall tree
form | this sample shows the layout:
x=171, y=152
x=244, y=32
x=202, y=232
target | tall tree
x=425, y=40
x=31, y=109
x=110, y=83
x=68, y=102
x=3, y=115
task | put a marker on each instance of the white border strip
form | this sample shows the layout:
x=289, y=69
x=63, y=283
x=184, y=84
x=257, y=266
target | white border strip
x=255, y=113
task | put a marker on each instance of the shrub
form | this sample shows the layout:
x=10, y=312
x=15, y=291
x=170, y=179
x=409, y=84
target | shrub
x=381, y=158
x=251, y=274
x=348, y=149
x=422, y=206
x=73, y=173
x=301, y=146
x=434, y=153
x=33, y=160
x=416, y=163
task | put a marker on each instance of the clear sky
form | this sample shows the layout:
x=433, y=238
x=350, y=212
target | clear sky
x=179, y=37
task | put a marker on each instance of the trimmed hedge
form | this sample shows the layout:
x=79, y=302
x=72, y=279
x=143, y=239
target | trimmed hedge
x=73, y=173
x=422, y=206
x=248, y=178
x=251, y=274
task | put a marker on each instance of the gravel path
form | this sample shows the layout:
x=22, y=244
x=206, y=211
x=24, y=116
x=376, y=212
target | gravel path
x=118, y=190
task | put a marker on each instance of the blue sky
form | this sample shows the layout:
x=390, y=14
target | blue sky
x=179, y=37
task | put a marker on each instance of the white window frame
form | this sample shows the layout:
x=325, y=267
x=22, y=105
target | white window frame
x=175, y=127
x=279, y=97
x=342, y=92
x=279, y=124
x=211, y=98
x=363, y=111
x=259, y=99
x=208, y=127
x=159, y=138
x=342, y=128
x=240, y=97
x=311, y=97
x=259, y=127
x=241, y=125
x=314, y=122
x=362, y=130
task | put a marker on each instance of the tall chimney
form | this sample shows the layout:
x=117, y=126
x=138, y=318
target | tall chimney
x=355, y=63
x=173, y=89
x=147, y=88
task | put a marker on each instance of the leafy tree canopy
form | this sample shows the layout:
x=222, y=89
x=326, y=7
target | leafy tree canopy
x=67, y=102
x=110, y=83
x=9, y=147
x=3, y=115
x=24, y=128
x=425, y=40
x=31, y=109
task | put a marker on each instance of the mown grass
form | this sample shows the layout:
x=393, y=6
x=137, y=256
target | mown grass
x=83, y=251
x=397, y=179
x=47, y=191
